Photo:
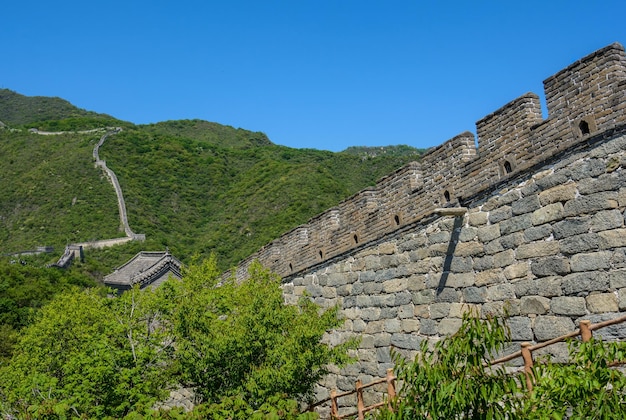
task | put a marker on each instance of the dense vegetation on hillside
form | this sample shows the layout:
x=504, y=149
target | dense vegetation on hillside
x=193, y=186
x=239, y=346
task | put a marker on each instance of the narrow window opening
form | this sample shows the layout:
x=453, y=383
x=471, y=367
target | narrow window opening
x=321, y=253
x=355, y=238
x=396, y=218
x=584, y=127
x=507, y=167
x=290, y=267
x=446, y=195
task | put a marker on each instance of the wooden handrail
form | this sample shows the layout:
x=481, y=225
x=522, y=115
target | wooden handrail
x=585, y=331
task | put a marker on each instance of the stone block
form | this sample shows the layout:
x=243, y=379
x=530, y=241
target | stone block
x=370, y=314
x=406, y=311
x=475, y=294
x=587, y=169
x=395, y=285
x=602, y=302
x=439, y=310
x=401, y=298
x=382, y=339
x=424, y=297
x=410, y=325
x=612, y=239
x=622, y=299
x=605, y=220
x=483, y=263
x=457, y=280
x=525, y=205
x=374, y=327
x=488, y=233
x=467, y=249
x=568, y=305
x=520, y=328
x=513, y=240
x=449, y=326
x=536, y=233
x=617, y=279
x=585, y=282
x=406, y=341
x=457, y=310
x=580, y=243
x=547, y=214
x=500, y=214
x=467, y=234
x=516, y=271
x=549, y=286
x=504, y=258
x=392, y=325
x=592, y=203
x=591, y=261
x=537, y=305
x=501, y=292
x=537, y=249
x=559, y=193
x=428, y=327
x=548, y=327
x=515, y=224
x=550, y=266
x=478, y=219
x=571, y=227
x=484, y=278
x=460, y=264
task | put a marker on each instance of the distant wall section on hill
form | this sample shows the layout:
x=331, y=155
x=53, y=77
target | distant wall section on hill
x=543, y=237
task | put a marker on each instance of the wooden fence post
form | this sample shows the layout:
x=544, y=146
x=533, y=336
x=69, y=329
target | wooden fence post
x=585, y=331
x=391, y=386
x=528, y=364
x=334, y=411
x=360, y=405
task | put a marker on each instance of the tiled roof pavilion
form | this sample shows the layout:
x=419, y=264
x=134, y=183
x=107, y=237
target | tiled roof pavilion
x=147, y=268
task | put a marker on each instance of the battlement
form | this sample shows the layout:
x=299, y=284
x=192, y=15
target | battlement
x=583, y=100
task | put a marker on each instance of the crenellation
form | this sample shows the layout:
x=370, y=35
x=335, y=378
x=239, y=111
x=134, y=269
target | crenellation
x=584, y=99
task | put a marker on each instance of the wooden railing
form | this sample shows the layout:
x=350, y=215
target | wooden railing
x=585, y=331
x=390, y=379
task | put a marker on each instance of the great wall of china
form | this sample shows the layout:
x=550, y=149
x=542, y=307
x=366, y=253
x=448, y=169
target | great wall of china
x=532, y=222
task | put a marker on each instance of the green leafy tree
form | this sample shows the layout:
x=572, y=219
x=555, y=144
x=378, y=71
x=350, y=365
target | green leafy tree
x=243, y=340
x=244, y=351
x=89, y=355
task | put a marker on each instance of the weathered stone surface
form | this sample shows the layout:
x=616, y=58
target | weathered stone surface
x=550, y=266
x=612, y=238
x=590, y=203
x=478, y=218
x=525, y=205
x=537, y=249
x=558, y=193
x=568, y=305
x=547, y=214
x=605, y=220
x=516, y=271
x=547, y=327
x=591, y=261
x=602, y=302
x=488, y=233
x=537, y=305
x=449, y=326
x=571, y=227
x=500, y=214
x=585, y=282
x=617, y=279
x=520, y=327
x=580, y=243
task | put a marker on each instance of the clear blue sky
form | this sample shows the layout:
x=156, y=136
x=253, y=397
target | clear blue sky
x=324, y=74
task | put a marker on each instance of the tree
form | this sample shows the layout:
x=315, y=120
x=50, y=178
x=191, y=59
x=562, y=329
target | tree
x=91, y=356
x=243, y=350
x=242, y=339
x=453, y=380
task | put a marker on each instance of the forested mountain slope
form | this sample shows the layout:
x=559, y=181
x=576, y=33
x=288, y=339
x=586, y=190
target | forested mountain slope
x=193, y=186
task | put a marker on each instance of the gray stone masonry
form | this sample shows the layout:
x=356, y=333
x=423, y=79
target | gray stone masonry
x=543, y=239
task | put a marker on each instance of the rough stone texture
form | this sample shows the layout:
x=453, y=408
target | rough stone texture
x=543, y=238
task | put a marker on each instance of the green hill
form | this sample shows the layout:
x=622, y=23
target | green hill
x=194, y=186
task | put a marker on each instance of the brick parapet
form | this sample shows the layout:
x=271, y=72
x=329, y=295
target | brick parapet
x=584, y=99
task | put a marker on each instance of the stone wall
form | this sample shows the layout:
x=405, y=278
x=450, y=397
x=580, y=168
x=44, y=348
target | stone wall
x=543, y=237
